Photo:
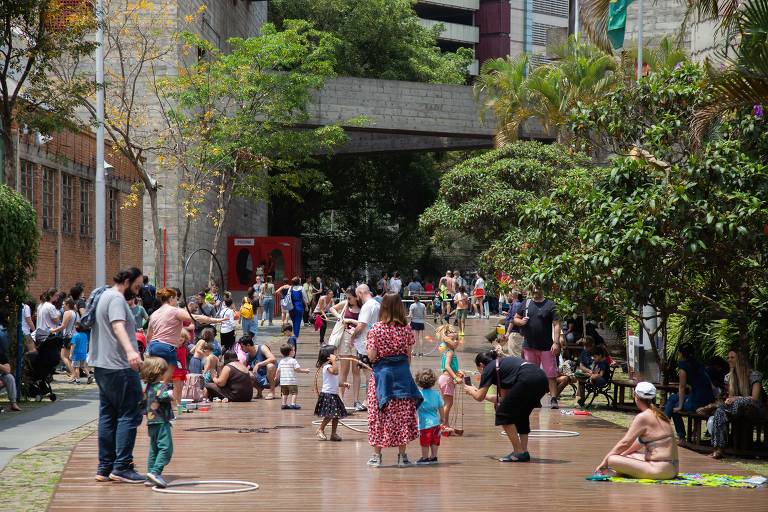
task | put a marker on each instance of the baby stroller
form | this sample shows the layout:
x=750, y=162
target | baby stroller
x=41, y=365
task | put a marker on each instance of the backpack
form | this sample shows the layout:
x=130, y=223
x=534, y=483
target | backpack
x=147, y=298
x=89, y=318
x=286, y=303
x=246, y=311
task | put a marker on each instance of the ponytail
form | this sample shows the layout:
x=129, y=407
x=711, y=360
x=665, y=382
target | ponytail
x=486, y=358
x=656, y=411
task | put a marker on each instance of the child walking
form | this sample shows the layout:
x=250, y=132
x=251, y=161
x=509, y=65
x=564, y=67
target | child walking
x=429, y=417
x=80, y=354
x=418, y=314
x=287, y=368
x=329, y=405
x=159, y=415
x=449, y=366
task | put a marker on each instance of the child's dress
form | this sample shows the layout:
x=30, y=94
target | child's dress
x=329, y=404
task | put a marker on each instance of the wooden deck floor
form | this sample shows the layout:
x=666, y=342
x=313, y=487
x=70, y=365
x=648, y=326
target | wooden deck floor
x=298, y=472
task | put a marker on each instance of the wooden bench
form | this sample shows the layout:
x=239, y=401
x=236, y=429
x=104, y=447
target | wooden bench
x=747, y=437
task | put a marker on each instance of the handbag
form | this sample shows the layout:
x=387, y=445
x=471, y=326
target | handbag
x=194, y=388
x=338, y=330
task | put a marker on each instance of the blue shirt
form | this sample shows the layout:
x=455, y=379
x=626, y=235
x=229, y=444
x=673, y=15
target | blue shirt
x=429, y=410
x=698, y=380
x=79, y=346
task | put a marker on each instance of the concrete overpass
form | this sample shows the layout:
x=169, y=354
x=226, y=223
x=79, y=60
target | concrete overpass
x=405, y=116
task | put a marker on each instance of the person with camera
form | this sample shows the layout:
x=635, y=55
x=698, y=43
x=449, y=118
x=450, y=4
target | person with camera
x=520, y=385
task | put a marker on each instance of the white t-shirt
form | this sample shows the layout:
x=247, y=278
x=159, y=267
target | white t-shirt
x=287, y=368
x=480, y=283
x=418, y=312
x=395, y=285
x=48, y=317
x=228, y=325
x=330, y=381
x=24, y=325
x=369, y=315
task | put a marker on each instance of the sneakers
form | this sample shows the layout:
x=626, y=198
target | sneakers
x=285, y=406
x=128, y=476
x=90, y=379
x=553, y=403
x=157, y=480
x=335, y=437
x=402, y=460
x=359, y=407
x=375, y=460
x=101, y=476
x=433, y=460
x=295, y=407
x=424, y=461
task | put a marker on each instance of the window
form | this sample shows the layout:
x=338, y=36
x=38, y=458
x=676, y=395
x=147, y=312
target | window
x=27, y=178
x=541, y=34
x=49, y=189
x=112, y=198
x=85, y=207
x=67, y=198
x=557, y=8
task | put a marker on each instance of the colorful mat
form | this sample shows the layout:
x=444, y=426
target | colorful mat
x=692, y=480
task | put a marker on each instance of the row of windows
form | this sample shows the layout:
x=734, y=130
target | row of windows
x=540, y=33
x=48, y=200
x=551, y=7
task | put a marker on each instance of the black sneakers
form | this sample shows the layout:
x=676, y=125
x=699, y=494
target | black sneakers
x=128, y=476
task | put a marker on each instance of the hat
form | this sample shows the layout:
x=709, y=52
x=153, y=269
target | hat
x=645, y=390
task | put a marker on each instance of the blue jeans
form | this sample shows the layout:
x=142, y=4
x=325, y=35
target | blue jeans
x=120, y=415
x=249, y=326
x=268, y=303
x=671, y=403
x=297, y=316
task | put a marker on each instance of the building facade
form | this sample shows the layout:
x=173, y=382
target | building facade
x=56, y=174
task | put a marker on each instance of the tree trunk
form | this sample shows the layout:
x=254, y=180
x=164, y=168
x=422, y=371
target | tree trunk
x=184, y=245
x=158, y=237
x=9, y=153
x=225, y=197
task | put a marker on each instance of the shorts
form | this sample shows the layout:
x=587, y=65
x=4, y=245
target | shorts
x=522, y=398
x=260, y=379
x=363, y=358
x=416, y=326
x=600, y=382
x=446, y=384
x=461, y=314
x=543, y=358
x=429, y=436
x=479, y=293
x=290, y=389
x=165, y=351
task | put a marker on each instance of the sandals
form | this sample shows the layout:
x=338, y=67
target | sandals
x=269, y=396
x=321, y=435
x=516, y=457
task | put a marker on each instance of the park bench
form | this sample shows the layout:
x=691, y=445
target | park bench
x=747, y=436
x=620, y=387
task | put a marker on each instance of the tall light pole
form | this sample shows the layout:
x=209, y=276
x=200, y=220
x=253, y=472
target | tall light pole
x=100, y=188
x=639, y=40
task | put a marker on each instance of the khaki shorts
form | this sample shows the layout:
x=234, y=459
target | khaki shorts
x=291, y=389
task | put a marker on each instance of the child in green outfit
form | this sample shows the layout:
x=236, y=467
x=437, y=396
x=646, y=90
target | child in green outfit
x=159, y=416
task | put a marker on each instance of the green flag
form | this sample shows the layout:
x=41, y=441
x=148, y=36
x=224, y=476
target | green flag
x=617, y=21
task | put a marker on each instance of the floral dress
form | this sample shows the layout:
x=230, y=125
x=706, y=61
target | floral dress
x=396, y=424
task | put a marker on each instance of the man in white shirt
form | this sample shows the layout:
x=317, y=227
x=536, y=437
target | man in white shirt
x=227, y=325
x=395, y=284
x=369, y=315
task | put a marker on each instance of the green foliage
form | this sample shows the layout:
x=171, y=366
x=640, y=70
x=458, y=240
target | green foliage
x=379, y=39
x=480, y=199
x=580, y=74
x=18, y=252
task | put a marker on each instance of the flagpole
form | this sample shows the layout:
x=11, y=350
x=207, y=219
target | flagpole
x=639, y=39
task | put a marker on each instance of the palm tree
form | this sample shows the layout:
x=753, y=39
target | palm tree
x=502, y=91
x=745, y=83
x=580, y=72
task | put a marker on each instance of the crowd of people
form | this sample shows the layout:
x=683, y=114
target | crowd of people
x=134, y=327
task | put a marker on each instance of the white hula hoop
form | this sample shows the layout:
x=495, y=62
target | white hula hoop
x=246, y=487
x=351, y=424
x=549, y=433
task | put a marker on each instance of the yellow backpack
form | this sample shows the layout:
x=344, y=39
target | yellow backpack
x=246, y=311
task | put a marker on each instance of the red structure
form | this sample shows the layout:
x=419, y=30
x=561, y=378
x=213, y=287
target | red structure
x=247, y=257
x=494, y=20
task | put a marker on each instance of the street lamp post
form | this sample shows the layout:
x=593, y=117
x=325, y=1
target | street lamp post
x=100, y=187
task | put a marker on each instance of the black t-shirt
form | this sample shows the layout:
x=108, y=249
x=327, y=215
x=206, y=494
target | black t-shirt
x=508, y=370
x=538, y=331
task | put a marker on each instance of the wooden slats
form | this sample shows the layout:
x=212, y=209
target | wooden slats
x=297, y=472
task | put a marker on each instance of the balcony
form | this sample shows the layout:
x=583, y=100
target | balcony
x=470, y=5
x=455, y=32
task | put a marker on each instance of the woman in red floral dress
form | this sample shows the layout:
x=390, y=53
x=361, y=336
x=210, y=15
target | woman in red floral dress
x=389, y=346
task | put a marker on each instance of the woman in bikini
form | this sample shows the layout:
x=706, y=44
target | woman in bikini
x=648, y=450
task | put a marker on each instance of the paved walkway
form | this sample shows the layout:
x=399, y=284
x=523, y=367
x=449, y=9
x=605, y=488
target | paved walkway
x=31, y=428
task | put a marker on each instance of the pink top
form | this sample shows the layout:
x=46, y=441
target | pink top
x=165, y=326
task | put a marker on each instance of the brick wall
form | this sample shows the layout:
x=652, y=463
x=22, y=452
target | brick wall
x=67, y=256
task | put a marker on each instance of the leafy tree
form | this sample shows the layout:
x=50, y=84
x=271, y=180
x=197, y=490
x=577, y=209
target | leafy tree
x=379, y=39
x=34, y=34
x=481, y=199
x=232, y=118
x=18, y=252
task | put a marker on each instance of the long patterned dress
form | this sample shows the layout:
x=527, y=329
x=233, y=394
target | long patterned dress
x=397, y=423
